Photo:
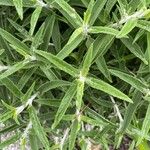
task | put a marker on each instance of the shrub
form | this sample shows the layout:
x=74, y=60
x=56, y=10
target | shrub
x=74, y=74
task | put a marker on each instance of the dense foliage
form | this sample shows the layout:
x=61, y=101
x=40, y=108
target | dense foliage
x=74, y=74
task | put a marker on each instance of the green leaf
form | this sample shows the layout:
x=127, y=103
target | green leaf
x=13, y=69
x=69, y=13
x=9, y=141
x=49, y=72
x=52, y=84
x=12, y=87
x=88, y=13
x=133, y=81
x=27, y=95
x=102, y=66
x=62, y=65
x=5, y=116
x=27, y=3
x=87, y=61
x=19, y=7
x=101, y=45
x=130, y=110
x=105, y=87
x=34, y=141
x=73, y=42
x=104, y=30
x=93, y=114
x=74, y=130
x=8, y=106
x=49, y=25
x=2, y=51
x=143, y=24
x=134, y=48
x=92, y=121
x=20, y=28
x=109, y=6
x=139, y=34
x=127, y=28
x=98, y=6
x=34, y=19
x=145, y=126
x=85, y=2
x=39, y=130
x=25, y=77
x=14, y=41
x=56, y=36
x=38, y=38
x=64, y=104
x=148, y=49
x=80, y=91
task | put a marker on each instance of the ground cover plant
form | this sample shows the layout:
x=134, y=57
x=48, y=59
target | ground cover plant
x=74, y=74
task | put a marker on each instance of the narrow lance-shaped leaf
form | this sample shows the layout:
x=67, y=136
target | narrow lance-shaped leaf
x=148, y=48
x=137, y=97
x=33, y=140
x=10, y=140
x=105, y=87
x=104, y=30
x=39, y=130
x=49, y=25
x=56, y=36
x=145, y=126
x=62, y=65
x=34, y=19
x=8, y=106
x=5, y=116
x=129, y=25
x=85, y=2
x=88, y=13
x=12, y=69
x=48, y=72
x=64, y=104
x=73, y=42
x=134, y=48
x=109, y=6
x=80, y=92
x=2, y=51
x=93, y=122
x=139, y=34
x=27, y=95
x=20, y=28
x=93, y=114
x=143, y=24
x=19, y=7
x=87, y=61
x=80, y=82
x=122, y=7
x=25, y=78
x=101, y=45
x=98, y=6
x=38, y=38
x=52, y=84
x=12, y=87
x=74, y=130
x=133, y=81
x=26, y=3
x=69, y=13
x=102, y=66
x=14, y=41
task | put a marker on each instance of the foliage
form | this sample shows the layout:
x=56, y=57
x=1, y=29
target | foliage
x=74, y=74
